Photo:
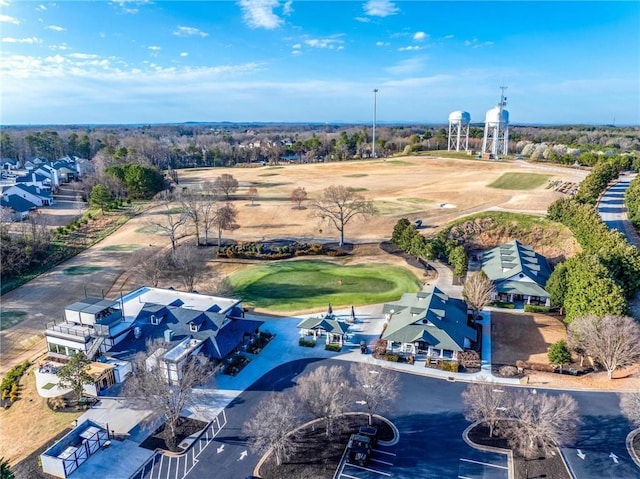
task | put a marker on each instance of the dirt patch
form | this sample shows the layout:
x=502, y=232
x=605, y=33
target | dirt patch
x=542, y=465
x=523, y=337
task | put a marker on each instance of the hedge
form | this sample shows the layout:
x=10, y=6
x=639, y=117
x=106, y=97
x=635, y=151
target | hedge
x=308, y=343
x=333, y=347
x=531, y=308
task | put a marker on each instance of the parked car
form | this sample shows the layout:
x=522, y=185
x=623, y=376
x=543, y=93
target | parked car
x=359, y=449
x=363, y=347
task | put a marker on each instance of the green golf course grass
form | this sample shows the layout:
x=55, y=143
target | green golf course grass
x=520, y=181
x=300, y=285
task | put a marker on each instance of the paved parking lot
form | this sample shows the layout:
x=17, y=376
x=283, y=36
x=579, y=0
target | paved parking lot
x=380, y=465
x=491, y=466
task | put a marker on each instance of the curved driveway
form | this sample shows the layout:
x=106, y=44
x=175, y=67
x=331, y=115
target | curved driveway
x=614, y=212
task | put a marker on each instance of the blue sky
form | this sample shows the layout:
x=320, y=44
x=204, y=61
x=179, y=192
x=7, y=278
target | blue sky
x=317, y=61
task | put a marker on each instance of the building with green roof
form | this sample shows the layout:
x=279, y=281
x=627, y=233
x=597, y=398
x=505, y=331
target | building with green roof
x=430, y=322
x=518, y=273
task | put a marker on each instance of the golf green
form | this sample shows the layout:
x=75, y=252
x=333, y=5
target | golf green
x=299, y=285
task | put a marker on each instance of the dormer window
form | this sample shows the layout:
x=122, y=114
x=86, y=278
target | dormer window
x=193, y=327
x=155, y=319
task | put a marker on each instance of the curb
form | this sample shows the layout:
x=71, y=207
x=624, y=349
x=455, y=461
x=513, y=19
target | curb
x=629, y=442
x=499, y=450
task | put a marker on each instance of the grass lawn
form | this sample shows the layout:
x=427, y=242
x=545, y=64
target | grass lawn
x=10, y=318
x=386, y=208
x=122, y=248
x=80, y=270
x=520, y=181
x=300, y=285
x=356, y=175
x=269, y=174
x=416, y=201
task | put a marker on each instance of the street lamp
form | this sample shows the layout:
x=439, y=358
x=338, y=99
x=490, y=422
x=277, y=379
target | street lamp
x=375, y=91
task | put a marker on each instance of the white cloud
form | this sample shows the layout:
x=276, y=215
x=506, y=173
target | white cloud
x=63, y=46
x=41, y=8
x=287, y=8
x=8, y=19
x=297, y=46
x=259, y=13
x=406, y=67
x=296, y=52
x=382, y=44
x=328, y=42
x=83, y=56
x=183, y=31
x=410, y=48
x=380, y=8
x=363, y=19
x=56, y=28
x=31, y=40
x=4, y=3
x=154, y=48
x=447, y=37
x=476, y=44
x=420, y=36
x=184, y=54
x=123, y=5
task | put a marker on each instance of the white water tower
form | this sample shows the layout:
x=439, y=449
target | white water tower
x=459, y=130
x=496, y=129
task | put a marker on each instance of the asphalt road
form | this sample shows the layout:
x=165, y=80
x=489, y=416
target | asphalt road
x=428, y=414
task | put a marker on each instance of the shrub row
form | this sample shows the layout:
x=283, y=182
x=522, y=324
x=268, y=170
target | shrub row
x=263, y=251
x=333, y=347
x=9, y=386
x=307, y=343
x=596, y=182
x=632, y=200
x=531, y=308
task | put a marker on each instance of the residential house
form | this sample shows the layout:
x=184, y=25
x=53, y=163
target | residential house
x=51, y=173
x=17, y=206
x=9, y=164
x=33, y=178
x=428, y=323
x=519, y=274
x=33, y=194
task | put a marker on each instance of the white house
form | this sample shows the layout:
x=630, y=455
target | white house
x=32, y=194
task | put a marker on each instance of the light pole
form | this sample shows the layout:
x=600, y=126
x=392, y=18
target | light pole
x=373, y=149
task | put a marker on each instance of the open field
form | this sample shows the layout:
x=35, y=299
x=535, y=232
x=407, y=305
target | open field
x=305, y=284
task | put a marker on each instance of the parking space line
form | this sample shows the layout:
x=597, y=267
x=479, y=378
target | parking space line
x=382, y=462
x=483, y=463
x=348, y=476
x=370, y=470
x=384, y=452
x=464, y=477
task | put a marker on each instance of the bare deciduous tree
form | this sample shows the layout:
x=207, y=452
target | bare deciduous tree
x=208, y=209
x=253, y=194
x=224, y=219
x=539, y=421
x=339, y=205
x=376, y=386
x=484, y=402
x=477, y=292
x=190, y=203
x=172, y=221
x=151, y=265
x=324, y=393
x=298, y=196
x=190, y=265
x=149, y=386
x=612, y=341
x=270, y=424
x=226, y=184
x=630, y=406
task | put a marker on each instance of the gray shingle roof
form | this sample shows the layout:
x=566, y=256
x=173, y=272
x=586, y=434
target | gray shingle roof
x=17, y=203
x=509, y=262
x=332, y=325
x=431, y=316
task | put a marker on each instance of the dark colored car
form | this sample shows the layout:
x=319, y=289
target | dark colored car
x=359, y=449
x=363, y=347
